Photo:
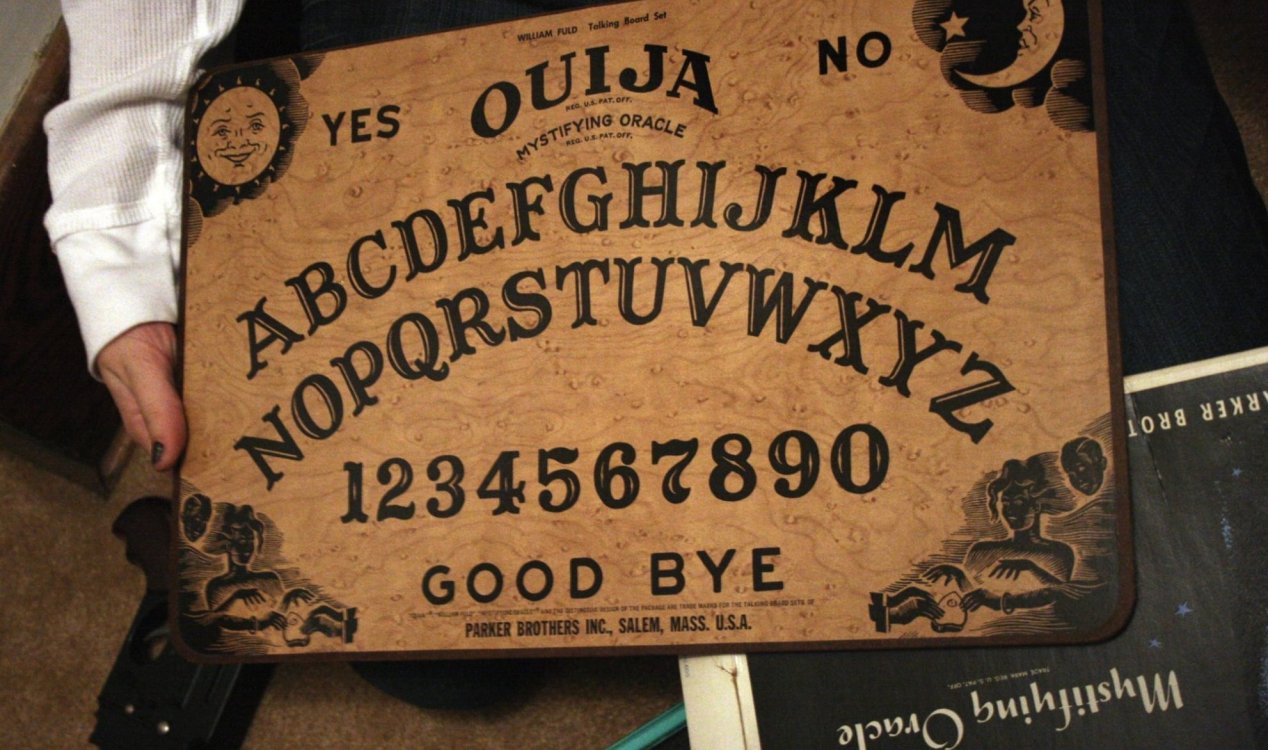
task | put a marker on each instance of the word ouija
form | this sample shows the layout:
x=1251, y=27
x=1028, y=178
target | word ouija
x=777, y=302
x=693, y=76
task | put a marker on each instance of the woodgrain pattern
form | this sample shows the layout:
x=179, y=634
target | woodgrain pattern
x=862, y=293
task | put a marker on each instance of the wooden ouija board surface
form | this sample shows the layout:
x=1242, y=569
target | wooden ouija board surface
x=667, y=326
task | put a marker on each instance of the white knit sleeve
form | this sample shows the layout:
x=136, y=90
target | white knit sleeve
x=115, y=158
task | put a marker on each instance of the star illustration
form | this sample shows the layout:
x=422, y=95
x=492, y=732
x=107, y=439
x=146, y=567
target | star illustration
x=1237, y=472
x=954, y=26
x=1155, y=643
x=1184, y=609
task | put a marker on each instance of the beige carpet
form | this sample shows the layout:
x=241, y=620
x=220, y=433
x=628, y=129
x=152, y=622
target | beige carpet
x=69, y=596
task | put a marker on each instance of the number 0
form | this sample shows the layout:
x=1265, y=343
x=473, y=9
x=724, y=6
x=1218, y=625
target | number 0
x=877, y=458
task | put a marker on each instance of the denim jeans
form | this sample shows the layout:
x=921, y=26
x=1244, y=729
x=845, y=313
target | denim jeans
x=1190, y=228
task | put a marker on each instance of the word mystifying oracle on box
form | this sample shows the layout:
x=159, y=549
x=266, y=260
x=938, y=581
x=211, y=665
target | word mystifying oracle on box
x=655, y=326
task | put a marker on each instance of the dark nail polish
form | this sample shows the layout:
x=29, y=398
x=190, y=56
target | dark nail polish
x=156, y=453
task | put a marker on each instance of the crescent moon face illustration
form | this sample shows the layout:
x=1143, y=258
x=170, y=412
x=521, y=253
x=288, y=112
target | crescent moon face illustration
x=1041, y=33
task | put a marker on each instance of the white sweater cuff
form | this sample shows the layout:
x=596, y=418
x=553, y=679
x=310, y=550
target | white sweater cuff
x=119, y=278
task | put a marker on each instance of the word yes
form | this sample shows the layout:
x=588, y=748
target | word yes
x=359, y=124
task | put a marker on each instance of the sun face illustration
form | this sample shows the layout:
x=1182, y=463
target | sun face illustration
x=243, y=125
x=238, y=135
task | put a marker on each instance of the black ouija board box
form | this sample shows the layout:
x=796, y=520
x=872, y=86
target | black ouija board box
x=655, y=326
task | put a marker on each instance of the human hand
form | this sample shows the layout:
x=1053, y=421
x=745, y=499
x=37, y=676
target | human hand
x=944, y=574
x=911, y=603
x=259, y=624
x=273, y=620
x=1011, y=569
x=303, y=596
x=249, y=596
x=138, y=369
x=980, y=598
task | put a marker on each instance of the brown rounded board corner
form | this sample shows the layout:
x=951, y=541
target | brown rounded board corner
x=654, y=327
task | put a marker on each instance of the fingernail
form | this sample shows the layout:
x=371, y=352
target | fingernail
x=156, y=453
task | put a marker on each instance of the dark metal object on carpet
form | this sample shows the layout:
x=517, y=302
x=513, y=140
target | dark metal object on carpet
x=153, y=697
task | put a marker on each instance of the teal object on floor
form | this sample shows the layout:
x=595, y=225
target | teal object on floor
x=653, y=732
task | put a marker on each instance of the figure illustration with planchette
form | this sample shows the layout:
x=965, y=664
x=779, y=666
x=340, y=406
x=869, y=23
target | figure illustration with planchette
x=249, y=598
x=1024, y=570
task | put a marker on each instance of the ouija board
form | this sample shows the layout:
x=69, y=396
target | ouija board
x=655, y=326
